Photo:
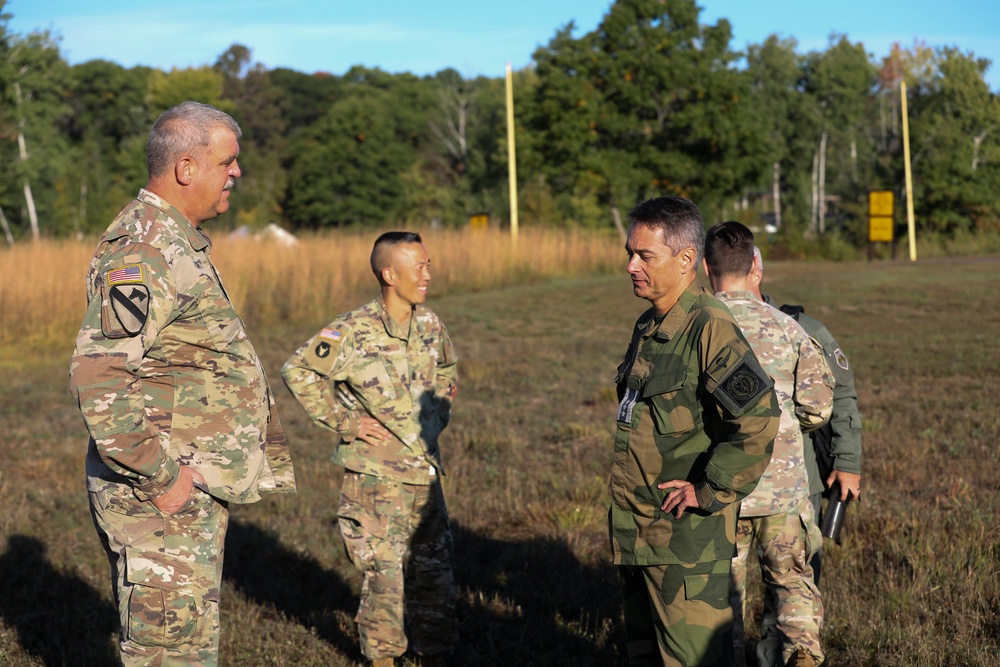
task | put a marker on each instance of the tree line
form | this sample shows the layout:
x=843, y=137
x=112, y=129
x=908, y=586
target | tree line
x=652, y=101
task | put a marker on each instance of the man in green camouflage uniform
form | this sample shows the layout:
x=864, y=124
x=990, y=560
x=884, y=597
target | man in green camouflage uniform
x=696, y=423
x=180, y=415
x=382, y=379
x=836, y=445
x=777, y=515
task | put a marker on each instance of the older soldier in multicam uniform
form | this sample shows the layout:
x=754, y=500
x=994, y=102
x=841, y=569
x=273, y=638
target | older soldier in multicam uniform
x=382, y=379
x=696, y=424
x=181, y=419
x=777, y=515
x=833, y=451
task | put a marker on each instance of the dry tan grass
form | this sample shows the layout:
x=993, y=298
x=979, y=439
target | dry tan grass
x=42, y=295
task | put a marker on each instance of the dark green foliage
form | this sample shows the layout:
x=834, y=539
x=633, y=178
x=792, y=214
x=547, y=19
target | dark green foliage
x=650, y=102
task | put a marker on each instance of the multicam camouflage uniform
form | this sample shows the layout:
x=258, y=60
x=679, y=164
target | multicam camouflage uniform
x=392, y=512
x=778, y=514
x=840, y=438
x=165, y=375
x=694, y=405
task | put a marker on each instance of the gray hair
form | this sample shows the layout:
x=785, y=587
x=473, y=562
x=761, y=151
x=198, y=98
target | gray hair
x=679, y=219
x=185, y=128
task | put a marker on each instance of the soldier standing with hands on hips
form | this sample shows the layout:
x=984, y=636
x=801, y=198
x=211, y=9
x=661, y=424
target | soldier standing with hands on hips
x=381, y=378
x=181, y=420
x=696, y=424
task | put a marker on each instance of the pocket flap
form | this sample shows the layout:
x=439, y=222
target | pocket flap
x=663, y=383
x=707, y=587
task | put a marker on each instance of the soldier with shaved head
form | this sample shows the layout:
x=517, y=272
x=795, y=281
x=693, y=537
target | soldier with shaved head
x=381, y=379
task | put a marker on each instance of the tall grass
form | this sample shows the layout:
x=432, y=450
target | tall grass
x=43, y=294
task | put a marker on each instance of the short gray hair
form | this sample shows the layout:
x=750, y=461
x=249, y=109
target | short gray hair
x=679, y=219
x=184, y=128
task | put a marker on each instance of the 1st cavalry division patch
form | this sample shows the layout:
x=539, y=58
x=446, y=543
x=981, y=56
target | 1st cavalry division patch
x=129, y=297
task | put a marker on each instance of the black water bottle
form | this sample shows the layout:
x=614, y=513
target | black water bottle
x=836, y=510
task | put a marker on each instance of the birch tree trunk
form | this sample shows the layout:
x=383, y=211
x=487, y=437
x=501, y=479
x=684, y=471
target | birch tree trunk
x=617, y=217
x=776, y=179
x=822, y=183
x=854, y=159
x=814, y=213
x=6, y=228
x=976, y=141
x=23, y=152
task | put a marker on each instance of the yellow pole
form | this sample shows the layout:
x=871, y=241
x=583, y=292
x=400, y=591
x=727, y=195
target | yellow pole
x=909, y=178
x=511, y=157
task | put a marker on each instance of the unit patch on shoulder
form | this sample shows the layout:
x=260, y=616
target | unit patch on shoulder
x=125, y=302
x=327, y=338
x=841, y=358
x=743, y=387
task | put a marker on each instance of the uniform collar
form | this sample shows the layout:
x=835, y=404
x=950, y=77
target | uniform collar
x=674, y=318
x=736, y=295
x=195, y=237
x=392, y=327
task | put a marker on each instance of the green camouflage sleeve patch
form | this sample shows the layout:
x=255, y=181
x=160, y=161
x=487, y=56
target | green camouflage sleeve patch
x=743, y=386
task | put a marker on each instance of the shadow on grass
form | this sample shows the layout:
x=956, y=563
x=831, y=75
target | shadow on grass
x=520, y=603
x=59, y=618
x=534, y=603
x=295, y=584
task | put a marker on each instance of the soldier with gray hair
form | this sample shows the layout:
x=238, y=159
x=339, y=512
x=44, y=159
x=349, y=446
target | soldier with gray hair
x=181, y=419
x=777, y=516
x=381, y=379
x=697, y=416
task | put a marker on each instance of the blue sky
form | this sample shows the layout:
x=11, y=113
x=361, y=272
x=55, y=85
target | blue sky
x=476, y=37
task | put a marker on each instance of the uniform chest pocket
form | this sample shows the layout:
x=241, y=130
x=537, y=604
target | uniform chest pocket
x=376, y=383
x=671, y=402
x=207, y=316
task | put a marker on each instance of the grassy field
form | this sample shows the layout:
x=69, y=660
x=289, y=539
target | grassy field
x=916, y=582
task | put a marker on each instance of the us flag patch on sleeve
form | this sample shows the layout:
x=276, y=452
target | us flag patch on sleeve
x=331, y=334
x=131, y=274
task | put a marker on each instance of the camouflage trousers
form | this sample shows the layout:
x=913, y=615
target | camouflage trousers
x=785, y=544
x=398, y=535
x=678, y=615
x=166, y=571
x=769, y=647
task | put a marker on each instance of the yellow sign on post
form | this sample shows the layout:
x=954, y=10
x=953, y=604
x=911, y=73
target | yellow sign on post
x=881, y=206
x=479, y=221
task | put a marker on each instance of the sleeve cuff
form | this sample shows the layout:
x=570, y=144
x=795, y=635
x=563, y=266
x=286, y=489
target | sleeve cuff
x=709, y=500
x=158, y=484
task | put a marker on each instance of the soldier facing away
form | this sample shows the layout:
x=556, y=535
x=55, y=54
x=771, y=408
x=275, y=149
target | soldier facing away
x=381, y=378
x=696, y=423
x=833, y=451
x=181, y=420
x=777, y=516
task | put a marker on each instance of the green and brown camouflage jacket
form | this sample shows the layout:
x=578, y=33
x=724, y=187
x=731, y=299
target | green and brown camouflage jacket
x=694, y=405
